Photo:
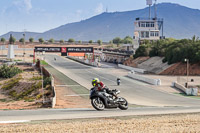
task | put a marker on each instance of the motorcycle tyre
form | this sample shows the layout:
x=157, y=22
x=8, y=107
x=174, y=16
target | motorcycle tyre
x=124, y=107
x=99, y=109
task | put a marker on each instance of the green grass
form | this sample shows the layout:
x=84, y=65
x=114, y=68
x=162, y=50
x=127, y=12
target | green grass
x=43, y=62
x=17, y=60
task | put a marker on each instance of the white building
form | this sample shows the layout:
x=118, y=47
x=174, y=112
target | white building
x=148, y=28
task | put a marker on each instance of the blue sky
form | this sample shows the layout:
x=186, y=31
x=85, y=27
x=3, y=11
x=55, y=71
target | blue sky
x=43, y=15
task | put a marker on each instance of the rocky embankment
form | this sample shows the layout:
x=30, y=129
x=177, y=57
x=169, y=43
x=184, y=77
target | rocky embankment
x=156, y=66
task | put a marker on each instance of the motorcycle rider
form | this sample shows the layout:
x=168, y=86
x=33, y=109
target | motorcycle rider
x=100, y=86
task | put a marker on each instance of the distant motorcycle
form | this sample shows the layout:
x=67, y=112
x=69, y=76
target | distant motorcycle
x=101, y=100
x=118, y=81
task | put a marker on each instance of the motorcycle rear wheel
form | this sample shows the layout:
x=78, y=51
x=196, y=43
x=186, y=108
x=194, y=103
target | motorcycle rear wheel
x=124, y=105
x=97, y=103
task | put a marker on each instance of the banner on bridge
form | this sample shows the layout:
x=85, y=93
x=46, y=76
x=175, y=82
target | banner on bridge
x=80, y=49
x=48, y=49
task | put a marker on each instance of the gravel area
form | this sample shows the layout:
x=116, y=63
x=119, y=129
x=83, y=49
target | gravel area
x=180, y=123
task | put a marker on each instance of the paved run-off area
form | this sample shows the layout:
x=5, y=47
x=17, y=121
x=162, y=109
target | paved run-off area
x=69, y=94
x=161, y=124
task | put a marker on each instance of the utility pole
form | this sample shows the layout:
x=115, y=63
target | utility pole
x=24, y=46
x=187, y=61
x=41, y=67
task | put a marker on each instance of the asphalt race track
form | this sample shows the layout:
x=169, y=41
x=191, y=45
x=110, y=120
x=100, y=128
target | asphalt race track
x=134, y=91
x=157, y=102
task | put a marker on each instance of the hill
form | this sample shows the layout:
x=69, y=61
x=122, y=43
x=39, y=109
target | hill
x=179, y=22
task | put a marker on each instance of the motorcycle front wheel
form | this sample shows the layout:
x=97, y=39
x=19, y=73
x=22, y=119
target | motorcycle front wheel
x=97, y=103
x=124, y=104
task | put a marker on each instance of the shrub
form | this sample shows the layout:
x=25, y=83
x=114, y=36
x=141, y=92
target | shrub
x=13, y=93
x=10, y=84
x=9, y=71
x=39, y=96
x=29, y=91
x=36, y=78
x=47, y=81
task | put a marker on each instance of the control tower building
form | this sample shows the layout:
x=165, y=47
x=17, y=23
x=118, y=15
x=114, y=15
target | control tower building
x=150, y=28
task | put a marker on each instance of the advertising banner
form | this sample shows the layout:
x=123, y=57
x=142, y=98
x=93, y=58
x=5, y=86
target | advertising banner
x=48, y=49
x=80, y=49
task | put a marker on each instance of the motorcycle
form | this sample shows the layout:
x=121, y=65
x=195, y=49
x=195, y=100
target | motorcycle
x=101, y=100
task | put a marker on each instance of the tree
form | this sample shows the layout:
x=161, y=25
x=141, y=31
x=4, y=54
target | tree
x=61, y=41
x=51, y=40
x=41, y=40
x=90, y=41
x=22, y=40
x=143, y=50
x=31, y=40
x=128, y=40
x=80, y=42
x=117, y=40
x=3, y=40
x=195, y=39
x=99, y=42
x=12, y=40
x=71, y=40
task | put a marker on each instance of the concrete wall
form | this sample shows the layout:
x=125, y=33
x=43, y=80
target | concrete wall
x=53, y=99
x=144, y=79
x=54, y=92
x=87, y=62
x=132, y=68
x=187, y=91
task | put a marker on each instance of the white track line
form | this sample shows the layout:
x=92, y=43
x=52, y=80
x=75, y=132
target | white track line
x=18, y=121
x=65, y=85
x=76, y=95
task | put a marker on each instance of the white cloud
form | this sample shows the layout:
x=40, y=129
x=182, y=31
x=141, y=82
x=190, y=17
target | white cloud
x=28, y=4
x=23, y=5
x=99, y=8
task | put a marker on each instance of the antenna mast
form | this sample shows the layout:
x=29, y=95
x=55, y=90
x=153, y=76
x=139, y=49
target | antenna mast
x=149, y=2
x=155, y=9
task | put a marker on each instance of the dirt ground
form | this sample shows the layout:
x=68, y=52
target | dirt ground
x=6, y=102
x=181, y=123
x=66, y=98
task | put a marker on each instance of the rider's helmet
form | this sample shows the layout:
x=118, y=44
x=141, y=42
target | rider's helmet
x=95, y=81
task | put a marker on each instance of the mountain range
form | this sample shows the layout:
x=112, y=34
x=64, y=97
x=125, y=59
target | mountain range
x=179, y=22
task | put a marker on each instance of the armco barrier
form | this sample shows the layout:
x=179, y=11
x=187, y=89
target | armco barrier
x=132, y=68
x=144, y=79
x=187, y=91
